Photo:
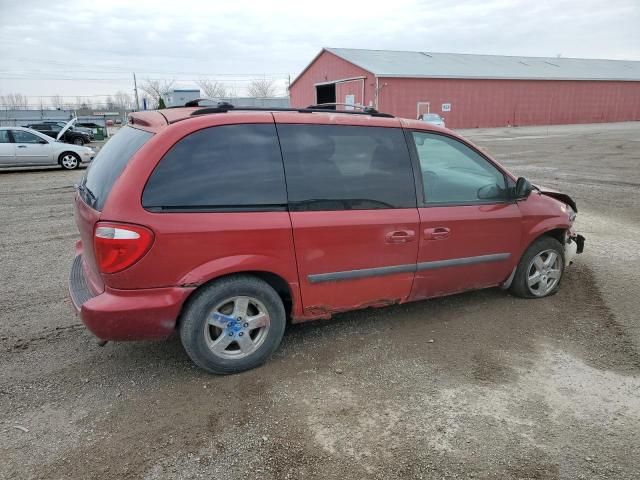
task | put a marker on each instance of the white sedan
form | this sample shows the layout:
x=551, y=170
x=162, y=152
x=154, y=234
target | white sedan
x=24, y=147
x=433, y=119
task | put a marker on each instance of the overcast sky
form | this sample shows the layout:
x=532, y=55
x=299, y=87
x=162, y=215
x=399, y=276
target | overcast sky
x=91, y=47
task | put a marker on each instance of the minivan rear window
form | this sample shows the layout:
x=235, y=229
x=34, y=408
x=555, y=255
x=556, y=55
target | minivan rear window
x=111, y=160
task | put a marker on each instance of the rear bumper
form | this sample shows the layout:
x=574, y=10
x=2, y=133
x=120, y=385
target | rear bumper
x=143, y=314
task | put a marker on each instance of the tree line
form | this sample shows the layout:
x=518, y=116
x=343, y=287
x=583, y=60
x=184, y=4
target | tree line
x=155, y=91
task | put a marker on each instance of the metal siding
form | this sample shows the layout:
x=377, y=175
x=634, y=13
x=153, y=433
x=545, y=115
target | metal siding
x=327, y=68
x=351, y=87
x=496, y=103
x=405, y=64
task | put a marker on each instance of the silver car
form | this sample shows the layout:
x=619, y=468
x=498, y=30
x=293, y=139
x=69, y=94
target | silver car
x=24, y=147
x=433, y=119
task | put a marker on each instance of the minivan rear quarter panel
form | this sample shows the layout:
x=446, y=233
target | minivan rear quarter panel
x=191, y=248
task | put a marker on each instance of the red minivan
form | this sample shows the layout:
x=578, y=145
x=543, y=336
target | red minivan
x=224, y=224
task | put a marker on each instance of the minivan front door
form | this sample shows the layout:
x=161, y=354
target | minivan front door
x=469, y=230
x=353, y=210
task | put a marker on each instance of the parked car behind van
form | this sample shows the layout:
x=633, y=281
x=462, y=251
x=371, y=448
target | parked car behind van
x=224, y=224
x=432, y=118
x=23, y=147
x=69, y=135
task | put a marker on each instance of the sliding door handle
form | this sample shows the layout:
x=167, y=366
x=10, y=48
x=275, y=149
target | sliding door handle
x=437, y=233
x=400, y=236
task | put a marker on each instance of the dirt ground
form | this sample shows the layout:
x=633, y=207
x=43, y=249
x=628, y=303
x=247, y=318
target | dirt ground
x=478, y=385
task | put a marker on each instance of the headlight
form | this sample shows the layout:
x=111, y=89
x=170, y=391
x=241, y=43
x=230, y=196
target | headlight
x=571, y=213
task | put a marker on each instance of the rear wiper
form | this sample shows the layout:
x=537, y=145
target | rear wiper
x=82, y=188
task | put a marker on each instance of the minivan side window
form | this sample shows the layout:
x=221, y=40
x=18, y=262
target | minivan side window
x=228, y=167
x=331, y=167
x=453, y=173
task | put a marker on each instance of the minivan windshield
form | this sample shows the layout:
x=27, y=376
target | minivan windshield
x=109, y=164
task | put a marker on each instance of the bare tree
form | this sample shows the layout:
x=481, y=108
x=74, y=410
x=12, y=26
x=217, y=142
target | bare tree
x=213, y=89
x=15, y=101
x=122, y=100
x=57, y=102
x=262, y=88
x=109, y=103
x=157, y=89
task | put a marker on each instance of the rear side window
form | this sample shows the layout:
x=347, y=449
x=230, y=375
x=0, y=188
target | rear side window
x=109, y=164
x=230, y=167
x=331, y=167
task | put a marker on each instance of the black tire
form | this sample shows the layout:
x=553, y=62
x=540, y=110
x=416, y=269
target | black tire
x=201, y=306
x=520, y=286
x=64, y=160
x=78, y=141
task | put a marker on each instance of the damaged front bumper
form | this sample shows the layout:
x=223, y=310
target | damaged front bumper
x=574, y=245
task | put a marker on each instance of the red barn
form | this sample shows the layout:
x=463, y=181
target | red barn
x=474, y=90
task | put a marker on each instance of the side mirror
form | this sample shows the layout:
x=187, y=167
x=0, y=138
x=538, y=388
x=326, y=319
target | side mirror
x=523, y=188
x=43, y=141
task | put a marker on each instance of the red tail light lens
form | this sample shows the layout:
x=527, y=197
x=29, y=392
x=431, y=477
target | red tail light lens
x=118, y=245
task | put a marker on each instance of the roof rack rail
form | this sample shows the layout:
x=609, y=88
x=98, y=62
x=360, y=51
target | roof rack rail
x=224, y=107
x=329, y=106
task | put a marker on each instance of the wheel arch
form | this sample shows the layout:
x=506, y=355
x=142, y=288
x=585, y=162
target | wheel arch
x=65, y=152
x=556, y=232
x=284, y=290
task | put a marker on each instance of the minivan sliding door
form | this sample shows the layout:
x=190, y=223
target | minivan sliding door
x=353, y=210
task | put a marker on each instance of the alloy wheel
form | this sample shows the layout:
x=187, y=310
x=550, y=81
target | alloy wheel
x=69, y=161
x=237, y=327
x=544, y=272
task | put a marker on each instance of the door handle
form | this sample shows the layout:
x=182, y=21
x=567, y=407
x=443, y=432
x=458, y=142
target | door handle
x=22, y=146
x=400, y=236
x=436, y=233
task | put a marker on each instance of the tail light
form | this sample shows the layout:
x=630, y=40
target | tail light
x=118, y=245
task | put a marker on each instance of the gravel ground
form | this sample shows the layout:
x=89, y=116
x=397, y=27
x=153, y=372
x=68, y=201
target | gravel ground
x=478, y=385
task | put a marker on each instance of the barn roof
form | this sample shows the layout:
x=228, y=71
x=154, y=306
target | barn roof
x=392, y=63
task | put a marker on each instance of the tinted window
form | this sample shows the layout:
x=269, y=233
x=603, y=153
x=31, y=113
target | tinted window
x=346, y=168
x=21, y=136
x=454, y=173
x=231, y=166
x=109, y=164
x=4, y=136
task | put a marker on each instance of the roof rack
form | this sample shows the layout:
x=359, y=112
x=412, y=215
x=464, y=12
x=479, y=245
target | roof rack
x=329, y=106
x=224, y=107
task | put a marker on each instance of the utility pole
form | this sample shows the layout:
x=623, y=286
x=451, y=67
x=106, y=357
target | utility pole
x=135, y=89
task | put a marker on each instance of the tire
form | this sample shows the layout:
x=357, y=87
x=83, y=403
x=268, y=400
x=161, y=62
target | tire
x=539, y=258
x=69, y=160
x=214, y=317
x=78, y=141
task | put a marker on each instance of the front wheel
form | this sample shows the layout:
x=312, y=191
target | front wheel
x=78, y=141
x=69, y=161
x=540, y=269
x=233, y=325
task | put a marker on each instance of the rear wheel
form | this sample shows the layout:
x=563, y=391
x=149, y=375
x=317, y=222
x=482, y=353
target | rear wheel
x=540, y=270
x=69, y=161
x=233, y=325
